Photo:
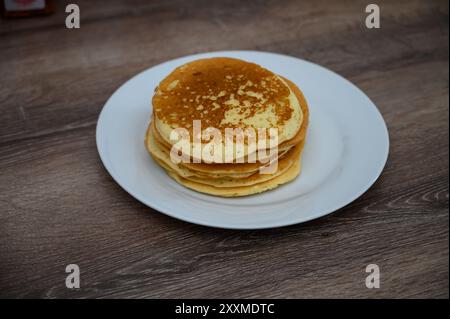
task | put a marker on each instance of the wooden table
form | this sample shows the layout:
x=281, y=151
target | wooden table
x=59, y=205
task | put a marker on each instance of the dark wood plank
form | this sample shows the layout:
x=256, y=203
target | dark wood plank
x=59, y=205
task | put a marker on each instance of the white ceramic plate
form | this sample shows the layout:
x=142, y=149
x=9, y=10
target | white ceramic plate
x=346, y=150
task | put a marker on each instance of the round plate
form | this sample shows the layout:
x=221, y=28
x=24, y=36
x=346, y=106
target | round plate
x=346, y=149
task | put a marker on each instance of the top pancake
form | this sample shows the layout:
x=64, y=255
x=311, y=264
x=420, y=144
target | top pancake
x=225, y=93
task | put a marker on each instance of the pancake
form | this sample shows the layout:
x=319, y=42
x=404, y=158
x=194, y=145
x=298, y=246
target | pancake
x=162, y=155
x=252, y=167
x=163, y=159
x=226, y=93
x=284, y=178
x=282, y=166
x=201, y=169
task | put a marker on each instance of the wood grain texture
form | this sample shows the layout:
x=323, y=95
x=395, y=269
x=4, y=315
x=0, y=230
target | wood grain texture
x=60, y=206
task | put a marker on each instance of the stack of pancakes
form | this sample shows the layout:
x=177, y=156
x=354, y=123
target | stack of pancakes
x=228, y=93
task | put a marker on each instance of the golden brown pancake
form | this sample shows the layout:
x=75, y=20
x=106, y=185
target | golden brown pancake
x=241, y=170
x=249, y=167
x=226, y=93
x=284, y=178
x=162, y=157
